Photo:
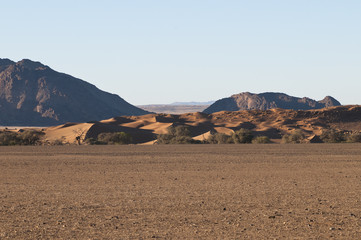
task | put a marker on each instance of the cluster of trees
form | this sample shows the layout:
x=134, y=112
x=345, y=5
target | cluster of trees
x=327, y=136
x=26, y=137
x=334, y=136
x=110, y=138
x=241, y=136
x=181, y=135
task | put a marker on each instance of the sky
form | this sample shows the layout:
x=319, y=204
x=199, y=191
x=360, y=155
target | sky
x=158, y=52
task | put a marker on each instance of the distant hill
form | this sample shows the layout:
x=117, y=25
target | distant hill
x=32, y=94
x=193, y=103
x=173, y=109
x=177, y=107
x=269, y=100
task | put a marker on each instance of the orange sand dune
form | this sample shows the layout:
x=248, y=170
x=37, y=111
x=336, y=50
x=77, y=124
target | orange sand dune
x=67, y=133
x=273, y=123
x=158, y=127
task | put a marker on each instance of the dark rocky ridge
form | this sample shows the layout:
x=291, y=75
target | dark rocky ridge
x=32, y=94
x=269, y=100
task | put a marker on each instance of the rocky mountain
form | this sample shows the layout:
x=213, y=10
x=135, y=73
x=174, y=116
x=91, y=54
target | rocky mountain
x=269, y=100
x=32, y=94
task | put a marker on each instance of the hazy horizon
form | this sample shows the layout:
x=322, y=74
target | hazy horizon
x=162, y=52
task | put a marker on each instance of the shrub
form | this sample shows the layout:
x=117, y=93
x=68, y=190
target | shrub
x=180, y=130
x=242, y=136
x=261, y=140
x=354, y=138
x=296, y=137
x=93, y=141
x=332, y=136
x=286, y=138
x=169, y=139
x=27, y=137
x=112, y=138
x=57, y=142
x=219, y=138
x=9, y=138
x=30, y=137
x=176, y=135
x=165, y=138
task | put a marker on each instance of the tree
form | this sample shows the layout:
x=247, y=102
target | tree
x=79, y=135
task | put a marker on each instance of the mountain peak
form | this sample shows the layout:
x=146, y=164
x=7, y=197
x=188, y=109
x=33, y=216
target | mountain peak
x=27, y=63
x=5, y=62
x=330, y=101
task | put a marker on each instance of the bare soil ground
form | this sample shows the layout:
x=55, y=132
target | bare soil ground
x=183, y=192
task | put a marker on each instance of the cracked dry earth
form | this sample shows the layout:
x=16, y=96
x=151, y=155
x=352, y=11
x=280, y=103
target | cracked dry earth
x=182, y=191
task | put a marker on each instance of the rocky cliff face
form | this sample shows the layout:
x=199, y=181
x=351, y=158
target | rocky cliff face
x=34, y=94
x=264, y=101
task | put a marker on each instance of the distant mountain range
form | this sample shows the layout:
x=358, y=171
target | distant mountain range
x=177, y=107
x=193, y=103
x=173, y=109
x=268, y=100
x=33, y=94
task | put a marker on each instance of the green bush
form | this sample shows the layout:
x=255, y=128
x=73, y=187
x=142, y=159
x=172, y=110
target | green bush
x=332, y=136
x=112, y=138
x=261, y=140
x=242, y=136
x=296, y=137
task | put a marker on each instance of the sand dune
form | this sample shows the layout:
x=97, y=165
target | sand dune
x=67, y=132
x=273, y=123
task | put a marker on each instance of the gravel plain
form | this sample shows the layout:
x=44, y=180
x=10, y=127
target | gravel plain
x=305, y=191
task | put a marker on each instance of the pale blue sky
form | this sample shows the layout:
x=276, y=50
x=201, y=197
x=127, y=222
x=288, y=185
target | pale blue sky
x=165, y=51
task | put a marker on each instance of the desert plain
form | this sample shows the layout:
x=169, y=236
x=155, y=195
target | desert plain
x=275, y=191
